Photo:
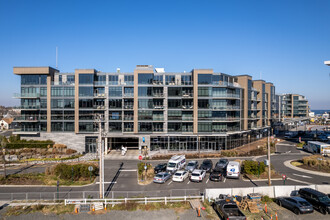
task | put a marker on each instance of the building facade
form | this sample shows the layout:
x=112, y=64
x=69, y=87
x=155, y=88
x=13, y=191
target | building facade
x=293, y=106
x=186, y=111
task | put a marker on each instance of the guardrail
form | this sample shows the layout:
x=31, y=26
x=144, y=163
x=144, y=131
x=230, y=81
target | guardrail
x=144, y=200
x=60, y=196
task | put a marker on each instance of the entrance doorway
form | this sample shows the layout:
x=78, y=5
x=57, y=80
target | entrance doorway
x=90, y=145
x=212, y=146
x=115, y=143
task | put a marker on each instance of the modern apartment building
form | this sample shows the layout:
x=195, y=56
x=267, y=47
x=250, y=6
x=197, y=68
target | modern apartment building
x=186, y=111
x=293, y=106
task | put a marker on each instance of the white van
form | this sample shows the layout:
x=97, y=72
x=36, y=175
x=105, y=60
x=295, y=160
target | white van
x=177, y=162
x=233, y=169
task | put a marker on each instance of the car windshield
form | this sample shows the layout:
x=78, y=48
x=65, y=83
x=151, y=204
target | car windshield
x=191, y=164
x=195, y=174
x=171, y=164
x=324, y=199
x=207, y=162
x=178, y=174
x=304, y=203
x=222, y=161
x=159, y=176
x=159, y=166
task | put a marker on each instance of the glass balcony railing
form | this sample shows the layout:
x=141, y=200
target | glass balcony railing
x=27, y=118
x=99, y=95
x=27, y=130
x=27, y=107
x=27, y=95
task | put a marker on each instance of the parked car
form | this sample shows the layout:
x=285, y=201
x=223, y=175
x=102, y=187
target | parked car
x=197, y=175
x=192, y=165
x=207, y=165
x=222, y=163
x=176, y=162
x=216, y=174
x=228, y=209
x=180, y=176
x=160, y=168
x=233, y=169
x=318, y=199
x=162, y=177
x=296, y=204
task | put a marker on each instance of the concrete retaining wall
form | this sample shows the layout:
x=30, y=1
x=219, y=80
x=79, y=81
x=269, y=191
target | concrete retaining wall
x=271, y=191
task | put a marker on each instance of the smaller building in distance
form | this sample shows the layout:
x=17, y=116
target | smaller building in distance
x=293, y=106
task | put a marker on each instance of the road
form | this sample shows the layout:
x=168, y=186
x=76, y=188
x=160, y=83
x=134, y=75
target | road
x=122, y=179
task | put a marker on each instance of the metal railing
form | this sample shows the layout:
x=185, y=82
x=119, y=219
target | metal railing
x=55, y=196
x=26, y=95
x=144, y=200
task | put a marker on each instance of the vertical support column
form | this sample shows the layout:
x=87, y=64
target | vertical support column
x=195, y=102
x=136, y=98
x=76, y=102
x=49, y=111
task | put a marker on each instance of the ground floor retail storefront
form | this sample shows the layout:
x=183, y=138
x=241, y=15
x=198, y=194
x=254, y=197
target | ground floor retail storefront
x=175, y=142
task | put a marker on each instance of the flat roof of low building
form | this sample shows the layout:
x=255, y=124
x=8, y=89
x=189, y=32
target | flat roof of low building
x=327, y=62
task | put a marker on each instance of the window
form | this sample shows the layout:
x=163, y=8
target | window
x=158, y=80
x=174, y=127
x=204, y=127
x=115, y=91
x=57, y=103
x=204, y=79
x=145, y=78
x=43, y=91
x=68, y=91
x=115, y=126
x=68, y=126
x=68, y=103
x=85, y=103
x=204, y=103
x=170, y=80
x=174, y=103
x=85, y=91
x=145, y=103
x=115, y=103
x=56, y=91
x=30, y=79
x=57, y=126
x=219, y=92
x=114, y=115
x=145, y=91
x=70, y=80
x=205, y=91
x=216, y=79
x=145, y=126
x=113, y=79
x=174, y=91
x=43, y=103
x=129, y=79
x=174, y=115
x=86, y=79
x=129, y=91
x=87, y=127
x=204, y=115
x=219, y=104
x=186, y=80
x=145, y=115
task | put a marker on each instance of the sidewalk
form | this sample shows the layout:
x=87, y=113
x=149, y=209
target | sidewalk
x=289, y=165
x=116, y=155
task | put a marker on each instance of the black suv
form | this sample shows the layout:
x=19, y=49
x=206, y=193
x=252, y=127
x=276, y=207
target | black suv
x=160, y=168
x=319, y=200
x=207, y=165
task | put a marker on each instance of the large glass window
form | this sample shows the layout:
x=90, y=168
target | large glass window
x=115, y=91
x=174, y=127
x=70, y=80
x=68, y=103
x=129, y=91
x=43, y=79
x=57, y=126
x=87, y=127
x=145, y=91
x=68, y=126
x=186, y=80
x=170, y=80
x=68, y=91
x=145, y=115
x=85, y=103
x=114, y=115
x=43, y=91
x=43, y=103
x=86, y=79
x=113, y=79
x=205, y=91
x=174, y=115
x=204, y=115
x=115, y=126
x=85, y=91
x=204, y=103
x=204, y=79
x=174, y=91
x=174, y=103
x=57, y=103
x=145, y=103
x=219, y=104
x=219, y=92
x=129, y=79
x=30, y=79
x=205, y=127
x=115, y=103
x=145, y=78
x=158, y=80
x=145, y=126
x=216, y=79
x=57, y=91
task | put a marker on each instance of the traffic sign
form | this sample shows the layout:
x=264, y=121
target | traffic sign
x=140, y=157
x=284, y=176
x=90, y=168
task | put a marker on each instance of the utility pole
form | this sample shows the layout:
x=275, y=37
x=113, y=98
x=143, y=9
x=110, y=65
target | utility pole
x=101, y=159
x=269, y=176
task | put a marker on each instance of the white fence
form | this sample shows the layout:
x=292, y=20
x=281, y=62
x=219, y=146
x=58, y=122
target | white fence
x=271, y=191
x=144, y=200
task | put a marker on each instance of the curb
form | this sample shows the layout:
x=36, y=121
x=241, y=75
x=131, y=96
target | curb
x=289, y=165
x=61, y=186
x=247, y=180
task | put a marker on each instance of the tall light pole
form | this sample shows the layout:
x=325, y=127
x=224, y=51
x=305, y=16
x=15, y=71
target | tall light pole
x=269, y=175
x=101, y=155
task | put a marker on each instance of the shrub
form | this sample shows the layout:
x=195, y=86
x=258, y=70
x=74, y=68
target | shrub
x=141, y=167
x=70, y=151
x=29, y=144
x=76, y=171
x=252, y=167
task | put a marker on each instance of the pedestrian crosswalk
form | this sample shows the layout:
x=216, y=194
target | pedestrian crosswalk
x=116, y=155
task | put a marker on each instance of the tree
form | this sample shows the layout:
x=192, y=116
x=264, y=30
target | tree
x=4, y=143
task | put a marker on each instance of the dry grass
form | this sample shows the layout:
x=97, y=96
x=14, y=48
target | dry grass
x=45, y=209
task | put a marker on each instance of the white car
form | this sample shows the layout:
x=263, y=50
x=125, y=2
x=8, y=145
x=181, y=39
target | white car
x=197, y=175
x=180, y=176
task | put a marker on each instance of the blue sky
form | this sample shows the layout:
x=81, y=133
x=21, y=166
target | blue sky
x=285, y=41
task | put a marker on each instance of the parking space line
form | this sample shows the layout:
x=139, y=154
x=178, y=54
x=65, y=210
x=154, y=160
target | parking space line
x=188, y=182
x=169, y=183
x=127, y=170
x=207, y=181
x=224, y=180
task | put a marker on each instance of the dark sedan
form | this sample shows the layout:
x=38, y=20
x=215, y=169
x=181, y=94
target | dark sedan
x=160, y=168
x=207, y=165
x=216, y=175
x=222, y=163
x=296, y=204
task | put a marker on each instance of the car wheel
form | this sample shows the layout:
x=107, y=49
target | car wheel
x=323, y=210
x=296, y=211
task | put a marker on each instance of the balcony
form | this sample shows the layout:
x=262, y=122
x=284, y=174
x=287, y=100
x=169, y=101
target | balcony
x=27, y=95
x=187, y=107
x=128, y=118
x=26, y=131
x=101, y=107
x=99, y=83
x=158, y=107
x=187, y=95
x=27, y=107
x=158, y=94
x=99, y=95
x=128, y=106
x=27, y=118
